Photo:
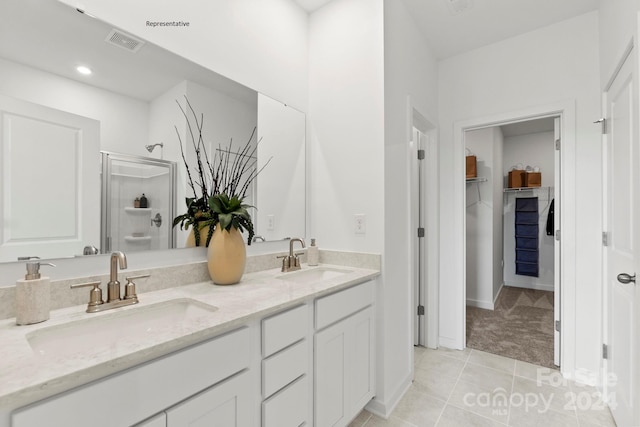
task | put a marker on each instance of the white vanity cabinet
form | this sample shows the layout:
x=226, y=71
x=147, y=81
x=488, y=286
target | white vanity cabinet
x=286, y=356
x=224, y=405
x=344, y=355
x=140, y=392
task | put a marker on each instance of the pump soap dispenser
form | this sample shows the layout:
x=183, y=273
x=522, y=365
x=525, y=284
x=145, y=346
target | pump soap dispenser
x=33, y=295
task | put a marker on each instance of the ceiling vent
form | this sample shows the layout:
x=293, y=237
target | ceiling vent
x=458, y=6
x=125, y=41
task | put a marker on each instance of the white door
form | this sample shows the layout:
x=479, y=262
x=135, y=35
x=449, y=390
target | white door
x=49, y=181
x=621, y=253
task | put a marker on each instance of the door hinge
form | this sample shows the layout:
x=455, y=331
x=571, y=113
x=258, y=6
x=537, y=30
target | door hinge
x=420, y=154
x=557, y=325
x=558, y=235
x=602, y=121
x=558, y=144
x=421, y=310
x=605, y=351
x=605, y=238
x=420, y=231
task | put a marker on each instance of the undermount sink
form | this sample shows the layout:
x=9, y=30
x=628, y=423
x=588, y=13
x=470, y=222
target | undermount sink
x=139, y=325
x=314, y=274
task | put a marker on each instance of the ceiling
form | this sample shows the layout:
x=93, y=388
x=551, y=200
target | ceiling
x=484, y=22
x=54, y=37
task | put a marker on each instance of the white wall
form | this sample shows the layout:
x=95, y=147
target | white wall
x=534, y=149
x=346, y=115
x=555, y=64
x=484, y=219
x=498, y=218
x=261, y=44
x=123, y=120
x=409, y=83
x=618, y=22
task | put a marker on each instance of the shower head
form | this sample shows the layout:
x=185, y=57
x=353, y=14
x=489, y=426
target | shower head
x=152, y=146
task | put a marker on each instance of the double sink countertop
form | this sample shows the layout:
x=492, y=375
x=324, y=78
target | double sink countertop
x=74, y=348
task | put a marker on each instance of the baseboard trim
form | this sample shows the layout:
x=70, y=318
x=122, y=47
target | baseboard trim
x=487, y=305
x=384, y=409
x=495, y=298
x=536, y=286
x=449, y=343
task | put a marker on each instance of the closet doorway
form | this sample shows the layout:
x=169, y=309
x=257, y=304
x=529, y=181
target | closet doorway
x=512, y=255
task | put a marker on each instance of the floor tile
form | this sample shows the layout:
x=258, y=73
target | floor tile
x=529, y=416
x=541, y=374
x=482, y=376
x=434, y=384
x=361, y=419
x=530, y=392
x=418, y=408
x=458, y=354
x=376, y=421
x=483, y=399
x=472, y=388
x=494, y=361
x=597, y=415
x=435, y=361
x=456, y=417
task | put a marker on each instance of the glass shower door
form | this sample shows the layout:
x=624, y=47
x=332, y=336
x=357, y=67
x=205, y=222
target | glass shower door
x=138, y=203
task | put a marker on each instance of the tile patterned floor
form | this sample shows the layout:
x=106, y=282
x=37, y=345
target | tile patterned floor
x=472, y=388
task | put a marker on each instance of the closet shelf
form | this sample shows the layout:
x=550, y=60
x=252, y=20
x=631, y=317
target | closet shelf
x=519, y=189
x=472, y=180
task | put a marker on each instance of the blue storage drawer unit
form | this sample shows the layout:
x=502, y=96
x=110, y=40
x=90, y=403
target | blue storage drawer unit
x=526, y=229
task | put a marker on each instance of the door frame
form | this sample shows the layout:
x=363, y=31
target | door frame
x=428, y=285
x=567, y=112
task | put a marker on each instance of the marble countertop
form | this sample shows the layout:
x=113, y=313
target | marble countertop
x=26, y=376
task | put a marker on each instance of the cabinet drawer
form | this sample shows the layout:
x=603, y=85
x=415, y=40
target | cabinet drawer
x=337, y=306
x=284, y=329
x=289, y=407
x=284, y=367
x=146, y=389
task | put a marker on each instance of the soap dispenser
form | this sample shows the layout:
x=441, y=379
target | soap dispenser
x=33, y=295
x=312, y=253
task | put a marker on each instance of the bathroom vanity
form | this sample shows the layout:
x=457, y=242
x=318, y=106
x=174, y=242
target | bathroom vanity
x=278, y=349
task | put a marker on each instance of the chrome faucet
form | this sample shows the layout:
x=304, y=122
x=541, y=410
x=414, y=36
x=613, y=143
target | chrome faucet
x=113, y=287
x=291, y=262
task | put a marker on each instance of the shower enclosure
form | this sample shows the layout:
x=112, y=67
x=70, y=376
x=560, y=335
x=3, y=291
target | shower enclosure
x=138, y=203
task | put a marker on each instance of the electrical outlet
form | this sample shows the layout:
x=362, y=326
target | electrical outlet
x=360, y=225
x=271, y=222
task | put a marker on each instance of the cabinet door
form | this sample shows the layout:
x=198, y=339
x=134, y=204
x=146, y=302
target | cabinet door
x=330, y=380
x=227, y=404
x=344, y=376
x=361, y=373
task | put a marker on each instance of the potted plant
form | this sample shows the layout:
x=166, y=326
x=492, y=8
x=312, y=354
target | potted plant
x=217, y=212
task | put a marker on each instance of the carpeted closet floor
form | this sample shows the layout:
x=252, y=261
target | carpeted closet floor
x=520, y=327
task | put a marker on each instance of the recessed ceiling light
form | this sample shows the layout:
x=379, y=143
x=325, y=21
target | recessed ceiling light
x=84, y=70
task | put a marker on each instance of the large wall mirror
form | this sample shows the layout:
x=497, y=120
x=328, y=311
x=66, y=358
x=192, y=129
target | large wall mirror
x=55, y=121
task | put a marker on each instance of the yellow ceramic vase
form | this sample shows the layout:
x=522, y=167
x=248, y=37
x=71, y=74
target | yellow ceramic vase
x=191, y=239
x=226, y=256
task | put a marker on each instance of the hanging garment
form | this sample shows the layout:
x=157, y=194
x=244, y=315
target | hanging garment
x=550, y=225
x=526, y=228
